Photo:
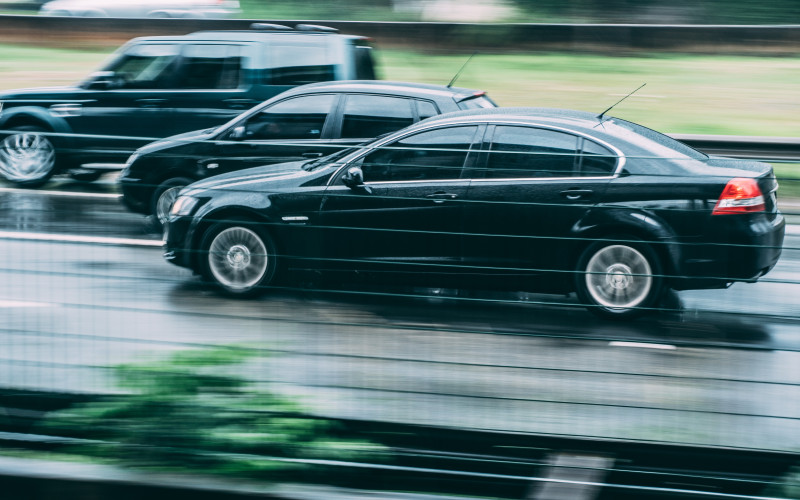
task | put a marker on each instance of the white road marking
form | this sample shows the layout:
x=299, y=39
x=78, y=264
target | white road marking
x=642, y=345
x=19, y=303
x=112, y=196
x=71, y=238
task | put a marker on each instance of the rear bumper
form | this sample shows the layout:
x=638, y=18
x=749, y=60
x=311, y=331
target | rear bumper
x=739, y=249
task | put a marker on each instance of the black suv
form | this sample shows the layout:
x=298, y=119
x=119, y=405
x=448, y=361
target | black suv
x=307, y=122
x=159, y=86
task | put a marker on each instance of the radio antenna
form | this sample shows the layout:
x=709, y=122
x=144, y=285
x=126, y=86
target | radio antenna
x=460, y=70
x=600, y=116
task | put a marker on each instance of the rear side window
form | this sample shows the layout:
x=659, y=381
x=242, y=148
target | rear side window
x=426, y=109
x=298, y=118
x=426, y=156
x=208, y=66
x=365, y=65
x=519, y=152
x=300, y=63
x=596, y=160
x=372, y=115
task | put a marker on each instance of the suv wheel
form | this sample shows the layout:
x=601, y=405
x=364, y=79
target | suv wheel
x=619, y=280
x=163, y=197
x=27, y=156
x=239, y=258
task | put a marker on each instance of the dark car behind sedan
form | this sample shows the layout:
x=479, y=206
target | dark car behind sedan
x=306, y=122
x=518, y=199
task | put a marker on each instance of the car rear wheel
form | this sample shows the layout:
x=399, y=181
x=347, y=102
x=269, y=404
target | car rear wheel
x=27, y=156
x=164, y=196
x=239, y=258
x=619, y=279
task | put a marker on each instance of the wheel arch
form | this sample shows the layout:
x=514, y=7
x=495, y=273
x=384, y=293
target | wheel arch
x=37, y=117
x=636, y=224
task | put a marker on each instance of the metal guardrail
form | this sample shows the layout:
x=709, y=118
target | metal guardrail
x=777, y=149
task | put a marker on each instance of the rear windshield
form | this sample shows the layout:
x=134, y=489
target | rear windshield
x=656, y=141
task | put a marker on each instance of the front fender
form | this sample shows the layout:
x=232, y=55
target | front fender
x=35, y=115
x=608, y=222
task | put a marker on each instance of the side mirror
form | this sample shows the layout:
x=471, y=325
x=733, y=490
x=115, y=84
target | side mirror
x=103, y=80
x=353, y=178
x=238, y=132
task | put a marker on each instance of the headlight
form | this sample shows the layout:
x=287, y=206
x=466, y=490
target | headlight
x=183, y=206
x=127, y=169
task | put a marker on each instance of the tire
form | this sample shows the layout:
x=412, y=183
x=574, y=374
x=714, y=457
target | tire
x=163, y=197
x=27, y=156
x=619, y=279
x=239, y=258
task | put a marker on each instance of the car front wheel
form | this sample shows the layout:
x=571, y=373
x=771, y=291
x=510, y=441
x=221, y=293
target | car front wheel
x=619, y=280
x=239, y=258
x=27, y=156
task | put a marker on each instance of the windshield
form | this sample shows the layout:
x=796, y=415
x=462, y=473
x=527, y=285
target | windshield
x=658, y=142
x=318, y=162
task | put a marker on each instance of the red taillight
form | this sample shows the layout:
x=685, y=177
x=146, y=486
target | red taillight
x=741, y=195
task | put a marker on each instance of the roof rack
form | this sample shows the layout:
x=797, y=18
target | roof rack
x=269, y=27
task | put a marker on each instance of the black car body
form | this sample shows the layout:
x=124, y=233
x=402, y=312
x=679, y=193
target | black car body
x=518, y=199
x=157, y=87
x=306, y=122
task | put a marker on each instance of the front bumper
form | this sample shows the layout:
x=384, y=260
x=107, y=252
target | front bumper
x=177, y=242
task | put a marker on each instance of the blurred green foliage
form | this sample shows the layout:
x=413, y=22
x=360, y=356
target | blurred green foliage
x=194, y=412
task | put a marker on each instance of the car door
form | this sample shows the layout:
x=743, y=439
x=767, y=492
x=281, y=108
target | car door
x=297, y=128
x=537, y=183
x=128, y=103
x=211, y=87
x=406, y=217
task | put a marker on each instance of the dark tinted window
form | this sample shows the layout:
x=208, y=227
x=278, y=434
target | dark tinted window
x=371, y=115
x=596, y=160
x=298, y=118
x=365, y=66
x=300, y=63
x=531, y=152
x=210, y=67
x=146, y=66
x=432, y=155
x=426, y=109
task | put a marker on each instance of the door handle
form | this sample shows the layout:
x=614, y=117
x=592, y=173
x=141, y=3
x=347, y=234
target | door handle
x=440, y=197
x=151, y=103
x=576, y=194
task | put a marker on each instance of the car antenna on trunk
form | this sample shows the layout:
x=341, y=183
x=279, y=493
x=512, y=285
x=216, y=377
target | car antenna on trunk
x=600, y=116
x=460, y=70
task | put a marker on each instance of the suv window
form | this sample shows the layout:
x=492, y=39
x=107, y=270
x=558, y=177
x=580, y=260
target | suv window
x=300, y=63
x=210, y=66
x=147, y=66
x=298, y=118
x=426, y=109
x=372, y=115
x=431, y=155
x=531, y=152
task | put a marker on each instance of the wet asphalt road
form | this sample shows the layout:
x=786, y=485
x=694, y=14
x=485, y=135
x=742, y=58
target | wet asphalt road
x=723, y=369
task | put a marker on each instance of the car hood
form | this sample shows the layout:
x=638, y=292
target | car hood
x=59, y=94
x=252, y=179
x=177, y=140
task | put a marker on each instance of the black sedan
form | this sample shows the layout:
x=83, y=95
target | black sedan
x=517, y=199
x=310, y=121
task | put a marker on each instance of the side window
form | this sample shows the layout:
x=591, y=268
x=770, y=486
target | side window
x=371, y=115
x=431, y=155
x=210, y=66
x=531, y=152
x=298, y=118
x=426, y=109
x=596, y=160
x=300, y=63
x=146, y=66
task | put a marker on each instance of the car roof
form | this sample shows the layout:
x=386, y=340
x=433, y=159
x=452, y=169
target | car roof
x=253, y=35
x=388, y=87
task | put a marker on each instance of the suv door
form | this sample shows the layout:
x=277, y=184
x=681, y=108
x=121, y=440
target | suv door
x=297, y=128
x=406, y=218
x=536, y=184
x=129, y=103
